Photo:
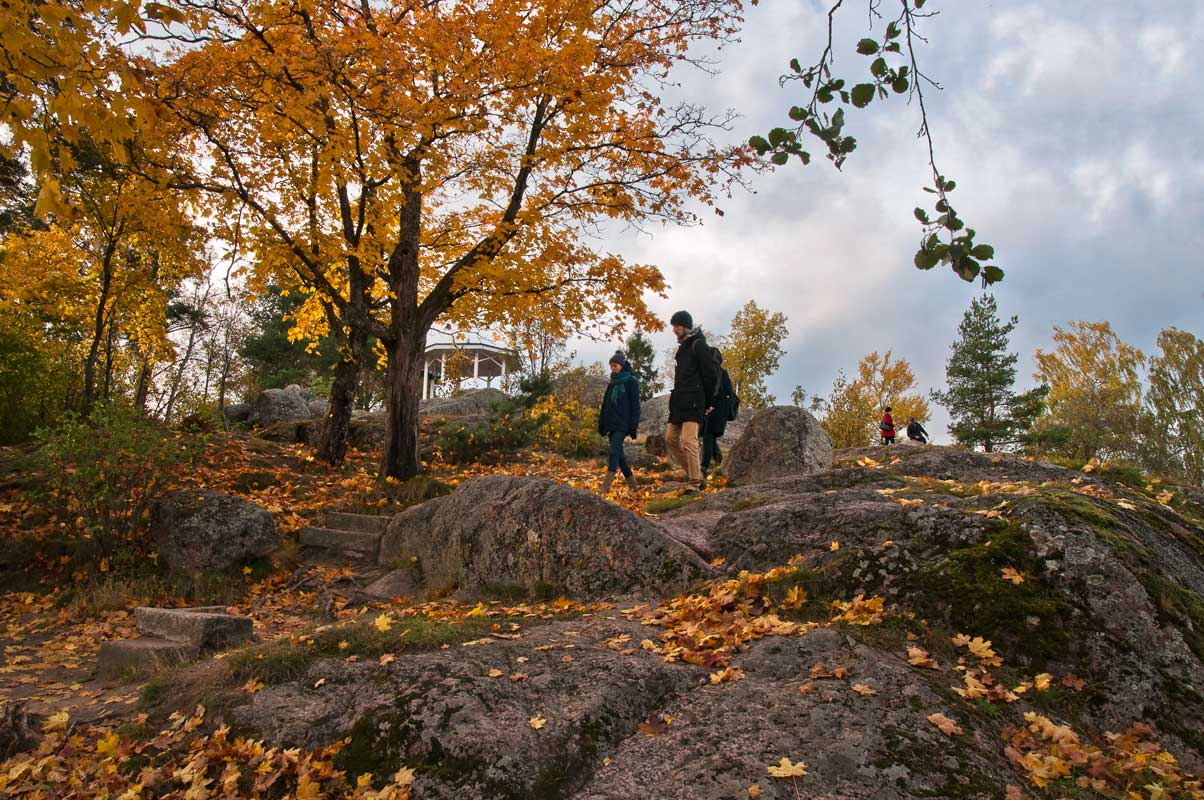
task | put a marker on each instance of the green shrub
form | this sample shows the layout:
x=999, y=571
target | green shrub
x=512, y=426
x=102, y=475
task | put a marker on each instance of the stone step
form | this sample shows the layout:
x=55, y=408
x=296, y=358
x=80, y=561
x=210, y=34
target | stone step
x=361, y=544
x=366, y=523
x=199, y=628
x=124, y=657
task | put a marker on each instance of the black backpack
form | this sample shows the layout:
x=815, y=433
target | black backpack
x=733, y=406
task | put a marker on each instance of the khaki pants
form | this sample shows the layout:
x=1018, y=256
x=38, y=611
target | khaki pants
x=682, y=444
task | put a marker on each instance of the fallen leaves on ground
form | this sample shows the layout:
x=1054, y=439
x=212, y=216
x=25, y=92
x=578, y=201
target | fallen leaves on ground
x=182, y=761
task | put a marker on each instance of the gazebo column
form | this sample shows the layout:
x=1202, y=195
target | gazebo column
x=426, y=374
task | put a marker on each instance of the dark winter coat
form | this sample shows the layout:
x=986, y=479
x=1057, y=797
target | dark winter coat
x=620, y=410
x=695, y=380
x=716, y=424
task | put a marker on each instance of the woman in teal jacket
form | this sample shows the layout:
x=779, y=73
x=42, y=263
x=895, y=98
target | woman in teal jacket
x=619, y=418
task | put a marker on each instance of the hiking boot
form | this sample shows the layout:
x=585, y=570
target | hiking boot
x=718, y=456
x=606, y=483
x=702, y=483
x=689, y=491
x=632, y=485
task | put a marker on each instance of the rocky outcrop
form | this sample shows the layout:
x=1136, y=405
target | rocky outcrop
x=777, y=442
x=1105, y=595
x=469, y=403
x=539, y=535
x=197, y=530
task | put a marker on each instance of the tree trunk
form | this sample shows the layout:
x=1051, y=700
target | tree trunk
x=404, y=384
x=332, y=444
x=142, y=388
x=98, y=332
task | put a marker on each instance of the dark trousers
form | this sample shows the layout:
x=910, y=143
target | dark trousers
x=710, y=450
x=616, y=460
x=888, y=440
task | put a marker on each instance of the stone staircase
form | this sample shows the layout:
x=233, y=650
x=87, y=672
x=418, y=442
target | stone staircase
x=347, y=537
x=171, y=636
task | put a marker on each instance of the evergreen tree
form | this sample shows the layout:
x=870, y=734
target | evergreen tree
x=642, y=357
x=273, y=359
x=981, y=373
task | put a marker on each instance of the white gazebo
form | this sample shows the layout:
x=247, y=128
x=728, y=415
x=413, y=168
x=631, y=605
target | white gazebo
x=489, y=361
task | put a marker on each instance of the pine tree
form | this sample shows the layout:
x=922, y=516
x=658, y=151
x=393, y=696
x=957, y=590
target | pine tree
x=642, y=357
x=981, y=373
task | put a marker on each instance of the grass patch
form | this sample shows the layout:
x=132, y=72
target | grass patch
x=283, y=660
x=667, y=504
x=750, y=501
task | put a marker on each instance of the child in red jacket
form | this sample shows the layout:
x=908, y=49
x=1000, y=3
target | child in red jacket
x=887, y=426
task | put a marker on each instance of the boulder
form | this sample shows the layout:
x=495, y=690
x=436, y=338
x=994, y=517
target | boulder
x=537, y=535
x=585, y=389
x=238, y=413
x=279, y=405
x=778, y=442
x=197, y=530
x=469, y=403
x=318, y=407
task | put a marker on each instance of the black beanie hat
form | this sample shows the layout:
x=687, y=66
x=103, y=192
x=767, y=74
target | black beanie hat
x=619, y=358
x=683, y=319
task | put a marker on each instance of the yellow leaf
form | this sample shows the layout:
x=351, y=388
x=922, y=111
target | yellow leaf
x=246, y=570
x=107, y=746
x=785, y=769
x=496, y=673
x=1010, y=574
x=537, y=722
x=387, y=659
x=863, y=690
x=754, y=791
x=319, y=682
x=383, y=623
x=834, y=546
x=945, y=725
x=55, y=722
x=252, y=686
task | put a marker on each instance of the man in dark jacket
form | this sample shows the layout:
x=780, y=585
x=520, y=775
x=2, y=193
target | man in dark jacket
x=695, y=381
x=619, y=418
x=716, y=422
x=916, y=432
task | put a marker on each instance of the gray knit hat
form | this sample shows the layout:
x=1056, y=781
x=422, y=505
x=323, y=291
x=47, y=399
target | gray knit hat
x=619, y=358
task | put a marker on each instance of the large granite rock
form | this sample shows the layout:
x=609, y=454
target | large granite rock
x=777, y=442
x=196, y=530
x=539, y=535
x=279, y=405
x=1110, y=605
x=469, y=403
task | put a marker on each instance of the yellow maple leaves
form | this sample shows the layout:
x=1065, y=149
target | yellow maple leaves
x=788, y=769
x=1011, y=574
x=945, y=725
x=537, y=721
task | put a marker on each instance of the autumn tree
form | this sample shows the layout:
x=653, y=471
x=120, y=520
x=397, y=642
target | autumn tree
x=752, y=351
x=981, y=372
x=854, y=407
x=1174, y=405
x=103, y=275
x=1094, y=391
x=642, y=357
x=435, y=162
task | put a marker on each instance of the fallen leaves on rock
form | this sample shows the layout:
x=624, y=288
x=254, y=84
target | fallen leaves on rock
x=786, y=769
x=945, y=725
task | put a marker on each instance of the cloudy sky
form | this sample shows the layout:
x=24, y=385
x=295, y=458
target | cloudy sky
x=1075, y=131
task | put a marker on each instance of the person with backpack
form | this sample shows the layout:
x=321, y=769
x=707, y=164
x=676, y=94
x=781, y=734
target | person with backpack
x=887, y=427
x=726, y=404
x=692, y=398
x=619, y=418
x=916, y=432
